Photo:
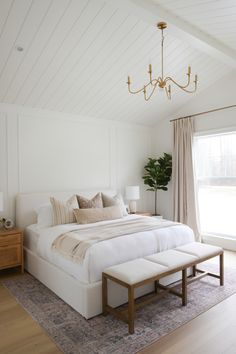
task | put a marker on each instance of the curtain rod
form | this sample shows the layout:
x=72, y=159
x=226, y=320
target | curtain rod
x=200, y=113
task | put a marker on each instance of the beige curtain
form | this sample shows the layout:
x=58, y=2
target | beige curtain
x=184, y=197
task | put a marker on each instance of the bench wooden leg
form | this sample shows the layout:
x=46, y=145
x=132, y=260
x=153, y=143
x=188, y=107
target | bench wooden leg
x=222, y=269
x=104, y=294
x=156, y=284
x=184, y=287
x=131, y=309
x=194, y=271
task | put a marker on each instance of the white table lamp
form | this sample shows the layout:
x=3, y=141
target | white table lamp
x=132, y=194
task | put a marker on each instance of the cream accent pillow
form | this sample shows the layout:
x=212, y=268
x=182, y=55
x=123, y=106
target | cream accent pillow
x=63, y=211
x=95, y=202
x=116, y=200
x=91, y=215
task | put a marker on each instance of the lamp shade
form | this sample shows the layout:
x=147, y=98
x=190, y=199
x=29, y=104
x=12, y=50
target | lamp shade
x=132, y=193
x=1, y=201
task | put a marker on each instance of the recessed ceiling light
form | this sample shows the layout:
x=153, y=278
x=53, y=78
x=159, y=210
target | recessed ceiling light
x=20, y=49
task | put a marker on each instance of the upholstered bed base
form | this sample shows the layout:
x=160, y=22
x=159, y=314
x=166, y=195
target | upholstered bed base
x=84, y=298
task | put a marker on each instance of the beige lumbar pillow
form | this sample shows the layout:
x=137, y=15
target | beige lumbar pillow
x=116, y=200
x=63, y=210
x=95, y=202
x=91, y=215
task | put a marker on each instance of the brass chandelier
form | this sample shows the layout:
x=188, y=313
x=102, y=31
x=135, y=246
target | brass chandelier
x=163, y=82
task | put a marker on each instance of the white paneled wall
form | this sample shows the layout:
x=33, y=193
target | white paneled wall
x=45, y=151
x=61, y=153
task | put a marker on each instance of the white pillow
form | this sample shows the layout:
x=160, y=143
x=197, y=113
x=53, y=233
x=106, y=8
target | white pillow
x=120, y=202
x=45, y=215
x=116, y=200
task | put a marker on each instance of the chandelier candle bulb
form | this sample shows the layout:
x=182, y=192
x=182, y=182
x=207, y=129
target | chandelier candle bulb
x=150, y=68
x=189, y=70
x=169, y=92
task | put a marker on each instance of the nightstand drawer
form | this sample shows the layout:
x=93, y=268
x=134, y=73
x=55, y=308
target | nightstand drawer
x=10, y=239
x=11, y=249
x=10, y=256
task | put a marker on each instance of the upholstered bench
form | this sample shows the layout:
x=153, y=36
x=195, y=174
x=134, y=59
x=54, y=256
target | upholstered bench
x=141, y=271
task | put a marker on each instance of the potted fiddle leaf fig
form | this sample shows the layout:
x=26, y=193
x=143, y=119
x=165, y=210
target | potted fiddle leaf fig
x=158, y=174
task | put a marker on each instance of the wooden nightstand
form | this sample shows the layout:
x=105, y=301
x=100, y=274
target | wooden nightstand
x=11, y=249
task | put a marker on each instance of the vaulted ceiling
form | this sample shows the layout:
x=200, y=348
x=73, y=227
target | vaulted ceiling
x=74, y=56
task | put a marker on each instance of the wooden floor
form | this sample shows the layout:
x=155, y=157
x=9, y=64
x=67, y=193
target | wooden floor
x=19, y=333
x=213, y=332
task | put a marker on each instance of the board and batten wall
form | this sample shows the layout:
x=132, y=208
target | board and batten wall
x=48, y=151
x=215, y=96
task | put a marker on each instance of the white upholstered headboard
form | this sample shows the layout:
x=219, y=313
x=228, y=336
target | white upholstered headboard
x=27, y=203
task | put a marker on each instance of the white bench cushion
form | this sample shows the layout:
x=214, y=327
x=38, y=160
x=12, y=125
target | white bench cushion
x=200, y=250
x=133, y=272
x=172, y=258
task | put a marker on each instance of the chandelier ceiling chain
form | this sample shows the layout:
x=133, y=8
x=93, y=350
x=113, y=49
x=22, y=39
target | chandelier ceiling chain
x=163, y=82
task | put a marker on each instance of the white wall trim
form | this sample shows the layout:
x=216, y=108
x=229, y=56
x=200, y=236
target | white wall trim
x=18, y=152
x=4, y=162
x=44, y=113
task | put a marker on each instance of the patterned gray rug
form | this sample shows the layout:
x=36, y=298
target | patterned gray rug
x=105, y=335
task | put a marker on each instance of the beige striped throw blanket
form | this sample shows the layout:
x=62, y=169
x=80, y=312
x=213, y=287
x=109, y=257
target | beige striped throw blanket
x=74, y=244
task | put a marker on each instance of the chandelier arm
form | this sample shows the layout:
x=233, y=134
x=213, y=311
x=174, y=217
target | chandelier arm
x=150, y=83
x=168, y=78
x=134, y=92
x=159, y=79
x=183, y=87
x=193, y=90
x=154, y=82
x=147, y=98
x=141, y=90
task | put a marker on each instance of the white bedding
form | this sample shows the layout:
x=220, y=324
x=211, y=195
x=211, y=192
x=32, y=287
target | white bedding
x=110, y=252
x=31, y=237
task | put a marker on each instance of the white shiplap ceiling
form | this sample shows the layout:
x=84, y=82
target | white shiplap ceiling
x=77, y=54
x=217, y=18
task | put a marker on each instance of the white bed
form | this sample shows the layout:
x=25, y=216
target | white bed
x=80, y=284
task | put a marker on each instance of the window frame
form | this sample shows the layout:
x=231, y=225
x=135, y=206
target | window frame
x=225, y=241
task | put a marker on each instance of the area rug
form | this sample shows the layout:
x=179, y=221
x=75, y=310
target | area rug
x=105, y=335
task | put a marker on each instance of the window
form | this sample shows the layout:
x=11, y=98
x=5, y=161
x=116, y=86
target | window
x=215, y=168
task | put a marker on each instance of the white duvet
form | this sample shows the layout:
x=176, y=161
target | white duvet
x=113, y=251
